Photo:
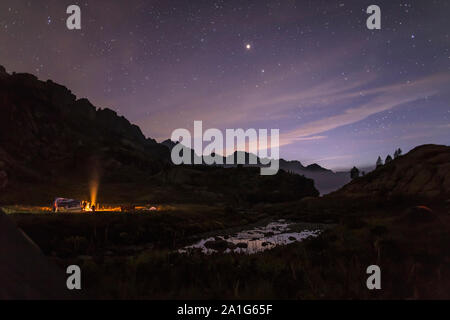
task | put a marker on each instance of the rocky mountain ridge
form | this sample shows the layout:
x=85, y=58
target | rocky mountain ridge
x=325, y=180
x=45, y=131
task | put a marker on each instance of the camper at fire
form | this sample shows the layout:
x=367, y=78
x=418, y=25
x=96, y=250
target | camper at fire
x=64, y=205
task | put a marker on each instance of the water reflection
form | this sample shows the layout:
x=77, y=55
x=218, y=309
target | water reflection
x=254, y=240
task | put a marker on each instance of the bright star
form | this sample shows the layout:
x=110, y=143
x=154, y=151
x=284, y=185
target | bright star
x=248, y=46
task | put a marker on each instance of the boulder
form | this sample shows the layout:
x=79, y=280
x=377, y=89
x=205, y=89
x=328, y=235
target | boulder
x=219, y=245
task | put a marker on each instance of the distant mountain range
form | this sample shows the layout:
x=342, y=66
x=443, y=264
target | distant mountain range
x=325, y=180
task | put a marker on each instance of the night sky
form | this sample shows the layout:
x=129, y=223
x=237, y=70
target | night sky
x=340, y=94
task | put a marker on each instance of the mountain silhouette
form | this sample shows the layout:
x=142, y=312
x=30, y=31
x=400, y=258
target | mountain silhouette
x=325, y=180
x=45, y=131
x=51, y=139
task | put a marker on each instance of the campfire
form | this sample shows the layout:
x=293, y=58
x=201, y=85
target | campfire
x=92, y=205
x=87, y=206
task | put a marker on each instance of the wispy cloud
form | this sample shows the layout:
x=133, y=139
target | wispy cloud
x=386, y=98
x=270, y=100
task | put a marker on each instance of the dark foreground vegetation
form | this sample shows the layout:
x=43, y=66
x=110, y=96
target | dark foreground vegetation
x=131, y=256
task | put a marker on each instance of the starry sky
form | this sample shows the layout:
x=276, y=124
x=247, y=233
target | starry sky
x=340, y=94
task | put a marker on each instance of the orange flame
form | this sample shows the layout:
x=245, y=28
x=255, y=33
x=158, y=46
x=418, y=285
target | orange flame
x=93, y=187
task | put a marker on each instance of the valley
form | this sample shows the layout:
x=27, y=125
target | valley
x=216, y=232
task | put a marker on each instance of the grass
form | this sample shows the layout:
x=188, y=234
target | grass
x=132, y=256
x=72, y=234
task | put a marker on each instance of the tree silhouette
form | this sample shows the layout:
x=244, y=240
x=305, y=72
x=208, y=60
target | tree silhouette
x=354, y=173
x=379, y=162
x=388, y=159
x=397, y=153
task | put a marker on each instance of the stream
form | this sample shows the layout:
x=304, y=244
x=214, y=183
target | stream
x=257, y=239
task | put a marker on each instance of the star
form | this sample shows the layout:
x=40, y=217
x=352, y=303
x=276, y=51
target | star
x=141, y=53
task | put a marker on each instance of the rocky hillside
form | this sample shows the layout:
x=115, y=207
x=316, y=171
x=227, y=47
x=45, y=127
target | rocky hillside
x=424, y=171
x=46, y=133
x=53, y=144
x=236, y=185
